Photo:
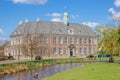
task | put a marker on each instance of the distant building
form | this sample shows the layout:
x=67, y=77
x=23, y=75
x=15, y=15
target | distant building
x=52, y=39
x=7, y=49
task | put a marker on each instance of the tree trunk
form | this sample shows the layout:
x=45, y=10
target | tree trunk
x=111, y=59
x=31, y=55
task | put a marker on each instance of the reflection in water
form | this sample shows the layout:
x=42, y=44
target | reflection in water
x=42, y=73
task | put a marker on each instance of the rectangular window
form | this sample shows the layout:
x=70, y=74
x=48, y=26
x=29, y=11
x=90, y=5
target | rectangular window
x=54, y=40
x=60, y=40
x=76, y=51
x=46, y=40
x=90, y=41
x=40, y=51
x=80, y=50
x=66, y=51
x=85, y=41
x=12, y=51
x=65, y=40
x=94, y=49
x=40, y=41
x=80, y=32
x=85, y=50
x=20, y=51
x=55, y=51
x=70, y=40
x=15, y=41
x=75, y=40
x=12, y=41
x=60, y=51
x=20, y=40
x=80, y=40
x=95, y=41
x=46, y=51
x=90, y=51
x=30, y=40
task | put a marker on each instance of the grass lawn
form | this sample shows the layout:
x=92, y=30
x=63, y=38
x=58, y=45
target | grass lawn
x=101, y=71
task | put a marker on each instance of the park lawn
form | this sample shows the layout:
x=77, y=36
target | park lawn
x=101, y=71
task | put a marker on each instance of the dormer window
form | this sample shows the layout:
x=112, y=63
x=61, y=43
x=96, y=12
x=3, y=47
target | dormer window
x=59, y=30
x=15, y=32
x=19, y=32
x=80, y=32
x=70, y=31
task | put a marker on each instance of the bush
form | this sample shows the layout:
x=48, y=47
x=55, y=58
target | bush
x=106, y=55
x=90, y=56
x=3, y=58
x=10, y=57
x=38, y=58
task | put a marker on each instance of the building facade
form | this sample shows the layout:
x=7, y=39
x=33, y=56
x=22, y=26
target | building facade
x=52, y=40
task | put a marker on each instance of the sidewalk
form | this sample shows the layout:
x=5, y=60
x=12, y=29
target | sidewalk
x=14, y=61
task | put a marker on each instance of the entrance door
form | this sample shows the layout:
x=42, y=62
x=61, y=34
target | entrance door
x=71, y=52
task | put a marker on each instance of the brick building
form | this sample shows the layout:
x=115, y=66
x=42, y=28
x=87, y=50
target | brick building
x=52, y=39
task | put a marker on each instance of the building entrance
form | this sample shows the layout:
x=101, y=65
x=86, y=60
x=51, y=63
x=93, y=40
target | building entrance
x=71, y=49
x=71, y=52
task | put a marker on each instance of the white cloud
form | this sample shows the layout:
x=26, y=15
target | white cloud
x=91, y=24
x=75, y=16
x=1, y=31
x=54, y=14
x=56, y=20
x=30, y=1
x=112, y=10
x=117, y=3
x=2, y=40
x=115, y=14
x=56, y=17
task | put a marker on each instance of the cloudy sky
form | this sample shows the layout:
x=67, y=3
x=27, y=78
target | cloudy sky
x=89, y=12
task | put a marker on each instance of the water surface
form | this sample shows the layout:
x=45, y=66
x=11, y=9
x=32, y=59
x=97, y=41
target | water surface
x=42, y=72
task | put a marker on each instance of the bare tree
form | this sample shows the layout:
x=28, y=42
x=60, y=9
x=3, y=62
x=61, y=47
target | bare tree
x=34, y=45
x=29, y=45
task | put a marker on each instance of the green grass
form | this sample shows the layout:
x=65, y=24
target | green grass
x=101, y=71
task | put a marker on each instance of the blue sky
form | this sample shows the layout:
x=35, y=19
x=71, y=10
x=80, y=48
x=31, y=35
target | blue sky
x=92, y=12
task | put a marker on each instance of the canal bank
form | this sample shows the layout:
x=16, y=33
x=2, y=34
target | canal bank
x=22, y=66
x=42, y=72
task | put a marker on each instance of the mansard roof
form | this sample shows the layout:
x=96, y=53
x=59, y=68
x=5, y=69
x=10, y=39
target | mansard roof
x=42, y=27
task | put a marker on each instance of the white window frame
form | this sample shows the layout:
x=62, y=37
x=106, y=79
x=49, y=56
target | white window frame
x=60, y=40
x=60, y=51
x=85, y=50
x=80, y=50
x=65, y=40
x=46, y=40
x=55, y=50
x=80, y=40
x=54, y=40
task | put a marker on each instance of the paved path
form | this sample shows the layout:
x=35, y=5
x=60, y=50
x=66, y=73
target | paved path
x=13, y=61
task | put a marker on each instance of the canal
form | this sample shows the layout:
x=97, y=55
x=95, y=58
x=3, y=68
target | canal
x=42, y=72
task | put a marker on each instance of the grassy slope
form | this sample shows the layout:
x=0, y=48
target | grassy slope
x=105, y=71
